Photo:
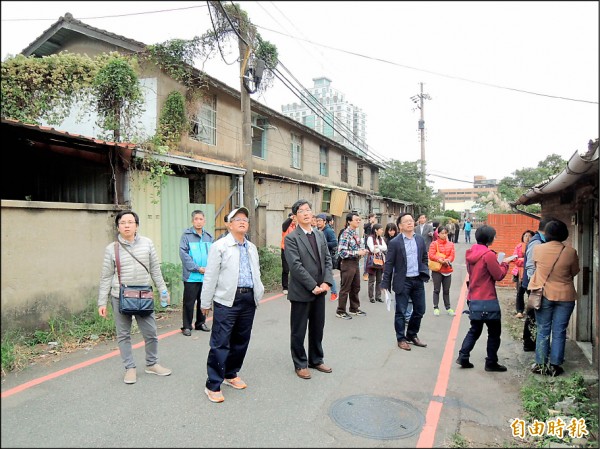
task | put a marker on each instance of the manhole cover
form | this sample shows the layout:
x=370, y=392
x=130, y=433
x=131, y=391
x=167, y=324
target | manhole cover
x=376, y=417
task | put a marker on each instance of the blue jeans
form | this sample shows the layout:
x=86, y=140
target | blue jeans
x=467, y=236
x=413, y=289
x=551, y=320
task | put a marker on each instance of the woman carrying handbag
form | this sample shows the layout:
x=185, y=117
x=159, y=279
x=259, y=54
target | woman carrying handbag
x=555, y=267
x=377, y=249
x=442, y=251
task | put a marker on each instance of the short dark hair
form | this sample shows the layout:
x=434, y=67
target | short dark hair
x=543, y=222
x=402, y=215
x=485, y=235
x=298, y=204
x=125, y=212
x=350, y=216
x=556, y=230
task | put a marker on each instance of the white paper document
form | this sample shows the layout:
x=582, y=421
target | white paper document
x=501, y=256
x=388, y=299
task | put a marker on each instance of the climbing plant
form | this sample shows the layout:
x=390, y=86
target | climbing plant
x=36, y=89
x=118, y=96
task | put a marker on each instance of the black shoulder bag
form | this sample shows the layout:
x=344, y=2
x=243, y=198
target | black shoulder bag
x=133, y=299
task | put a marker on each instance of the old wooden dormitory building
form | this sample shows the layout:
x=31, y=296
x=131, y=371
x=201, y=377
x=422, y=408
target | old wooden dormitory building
x=58, y=210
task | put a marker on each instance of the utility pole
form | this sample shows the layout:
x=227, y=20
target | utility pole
x=246, y=156
x=419, y=101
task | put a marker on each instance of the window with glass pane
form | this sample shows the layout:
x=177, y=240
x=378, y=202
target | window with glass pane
x=359, y=174
x=259, y=137
x=344, y=169
x=204, y=123
x=323, y=160
x=373, y=174
x=296, y=151
x=326, y=202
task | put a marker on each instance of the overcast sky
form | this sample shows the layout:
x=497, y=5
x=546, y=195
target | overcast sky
x=510, y=82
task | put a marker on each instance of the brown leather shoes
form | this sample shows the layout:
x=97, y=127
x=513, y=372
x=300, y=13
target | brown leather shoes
x=303, y=373
x=403, y=344
x=418, y=342
x=322, y=367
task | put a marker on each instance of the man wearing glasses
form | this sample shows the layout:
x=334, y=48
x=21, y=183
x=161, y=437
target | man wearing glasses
x=232, y=288
x=310, y=279
x=407, y=261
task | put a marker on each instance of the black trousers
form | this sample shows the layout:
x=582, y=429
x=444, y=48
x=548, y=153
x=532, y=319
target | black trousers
x=309, y=315
x=493, y=341
x=191, y=295
x=285, y=271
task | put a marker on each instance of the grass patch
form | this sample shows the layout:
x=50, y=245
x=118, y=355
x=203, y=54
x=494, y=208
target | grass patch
x=457, y=440
x=270, y=267
x=59, y=335
x=540, y=396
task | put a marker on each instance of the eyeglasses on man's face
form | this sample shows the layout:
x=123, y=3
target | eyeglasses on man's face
x=238, y=219
x=303, y=211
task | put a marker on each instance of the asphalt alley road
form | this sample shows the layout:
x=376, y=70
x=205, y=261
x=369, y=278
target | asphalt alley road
x=81, y=400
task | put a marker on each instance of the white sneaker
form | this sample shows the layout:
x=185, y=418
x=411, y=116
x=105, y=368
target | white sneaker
x=436, y=312
x=285, y=292
x=450, y=312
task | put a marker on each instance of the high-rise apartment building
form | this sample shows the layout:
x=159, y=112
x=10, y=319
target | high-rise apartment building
x=327, y=111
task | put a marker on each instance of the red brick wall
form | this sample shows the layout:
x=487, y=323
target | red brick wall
x=509, y=228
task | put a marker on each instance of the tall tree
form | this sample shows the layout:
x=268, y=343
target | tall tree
x=402, y=180
x=512, y=187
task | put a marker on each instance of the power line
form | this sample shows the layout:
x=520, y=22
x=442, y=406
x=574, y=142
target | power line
x=385, y=61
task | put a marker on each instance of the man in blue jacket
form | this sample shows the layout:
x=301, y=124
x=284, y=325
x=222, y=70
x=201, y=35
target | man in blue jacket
x=193, y=252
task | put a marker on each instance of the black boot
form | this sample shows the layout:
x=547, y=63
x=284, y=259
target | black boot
x=464, y=363
x=495, y=367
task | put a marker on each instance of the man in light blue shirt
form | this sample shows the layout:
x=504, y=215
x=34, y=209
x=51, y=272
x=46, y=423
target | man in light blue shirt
x=406, y=263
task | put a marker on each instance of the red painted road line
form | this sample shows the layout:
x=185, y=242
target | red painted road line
x=40, y=380
x=432, y=418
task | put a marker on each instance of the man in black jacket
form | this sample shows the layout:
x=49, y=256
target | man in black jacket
x=310, y=279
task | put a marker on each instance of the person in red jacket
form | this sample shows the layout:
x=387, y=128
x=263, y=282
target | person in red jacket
x=442, y=250
x=484, y=271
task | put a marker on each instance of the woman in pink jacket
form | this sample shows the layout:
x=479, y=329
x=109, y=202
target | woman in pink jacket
x=442, y=250
x=484, y=308
x=517, y=271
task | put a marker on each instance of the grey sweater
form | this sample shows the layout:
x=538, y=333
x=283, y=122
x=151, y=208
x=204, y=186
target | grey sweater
x=132, y=273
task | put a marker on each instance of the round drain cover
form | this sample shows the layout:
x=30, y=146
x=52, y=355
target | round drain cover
x=376, y=417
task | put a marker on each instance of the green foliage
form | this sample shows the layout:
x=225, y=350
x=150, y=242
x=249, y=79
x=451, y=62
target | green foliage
x=452, y=214
x=171, y=273
x=457, y=440
x=173, y=121
x=19, y=348
x=45, y=88
x=512, y=187
x=540, y=395
x=118, y=96
x=270, y=267
x=402, y=180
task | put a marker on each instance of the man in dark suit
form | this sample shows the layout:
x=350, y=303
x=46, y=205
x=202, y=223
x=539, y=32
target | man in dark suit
x=425, y=230
x=406, y=263
x=310, y=279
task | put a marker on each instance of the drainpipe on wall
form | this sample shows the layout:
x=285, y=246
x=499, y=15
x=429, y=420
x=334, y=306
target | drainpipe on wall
x=240, y=200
